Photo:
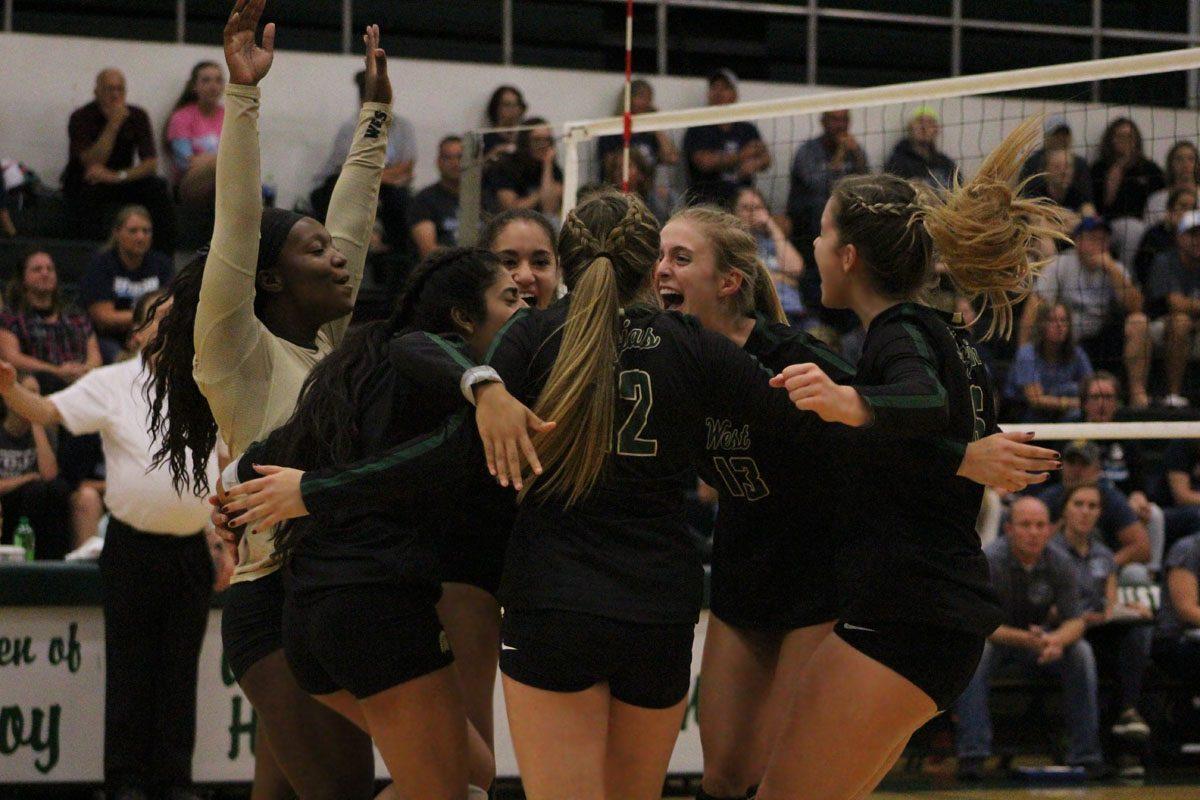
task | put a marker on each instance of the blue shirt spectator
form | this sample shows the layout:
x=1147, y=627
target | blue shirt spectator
x=1047, y=372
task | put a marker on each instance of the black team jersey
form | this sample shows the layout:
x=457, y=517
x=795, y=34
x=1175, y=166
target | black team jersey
x=916, y=558
x=779, y=521
x=623, y=550
x=382, y=538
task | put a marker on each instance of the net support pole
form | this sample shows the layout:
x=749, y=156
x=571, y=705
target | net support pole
x=1193, y=76
x=180, y=20
x=627, y=117
x=470, y=190
x=572, y=138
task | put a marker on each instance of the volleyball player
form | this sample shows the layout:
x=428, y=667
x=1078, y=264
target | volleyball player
x=779, y=522
x=919, y=603
x=270, y=298
x=361, y=628
x=524, y=241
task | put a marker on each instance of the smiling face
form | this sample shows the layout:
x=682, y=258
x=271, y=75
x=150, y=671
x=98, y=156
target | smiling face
x=686, y=276
x=527, y=253
x=312, y=273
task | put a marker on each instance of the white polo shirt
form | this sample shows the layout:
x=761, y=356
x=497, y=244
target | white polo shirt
x=110, y=401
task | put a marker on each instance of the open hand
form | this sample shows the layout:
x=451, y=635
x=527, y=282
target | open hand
x=377, y=86
x=267, y=501
x=1008, y=461
x=504, y=426
x=247, y=62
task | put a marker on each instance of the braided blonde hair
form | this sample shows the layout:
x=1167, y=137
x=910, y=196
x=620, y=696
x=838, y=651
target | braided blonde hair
x=607, y=246
x=735, y=250
x=983, y=230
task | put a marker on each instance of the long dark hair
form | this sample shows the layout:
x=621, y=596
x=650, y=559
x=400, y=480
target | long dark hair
x=189, y=430
x=15, y=291
x=1063, y=352
x=493, y=106
x=186, y=97
x=1108, y=152
x=324, y=429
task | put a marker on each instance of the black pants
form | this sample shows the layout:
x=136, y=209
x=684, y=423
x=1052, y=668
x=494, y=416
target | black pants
x=47, y=504
x=156, y=591
x=95, y=205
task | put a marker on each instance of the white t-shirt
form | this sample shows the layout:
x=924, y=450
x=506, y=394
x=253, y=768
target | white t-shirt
x=110, y=401
x=1089, y=293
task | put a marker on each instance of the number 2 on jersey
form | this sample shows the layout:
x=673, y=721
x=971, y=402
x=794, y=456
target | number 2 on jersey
x=634, y=386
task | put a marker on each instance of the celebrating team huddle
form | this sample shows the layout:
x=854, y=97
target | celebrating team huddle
x=473, y=485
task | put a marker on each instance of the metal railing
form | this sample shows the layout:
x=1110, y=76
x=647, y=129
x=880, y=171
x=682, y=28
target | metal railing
x=814, y=11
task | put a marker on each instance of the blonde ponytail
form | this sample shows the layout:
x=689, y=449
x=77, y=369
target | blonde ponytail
x=608, y=245
x=766, y=298
x=982, y=230
x=986, y=233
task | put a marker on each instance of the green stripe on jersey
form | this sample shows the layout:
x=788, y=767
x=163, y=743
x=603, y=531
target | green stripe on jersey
x=406, y=452
x=915, y=401
x=451, y=350
x=491, y=351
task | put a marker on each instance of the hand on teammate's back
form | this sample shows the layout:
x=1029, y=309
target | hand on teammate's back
x=504, y=426
x=248, y=63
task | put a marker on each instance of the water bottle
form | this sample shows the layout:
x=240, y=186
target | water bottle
x=268, y=192
x=23, y=537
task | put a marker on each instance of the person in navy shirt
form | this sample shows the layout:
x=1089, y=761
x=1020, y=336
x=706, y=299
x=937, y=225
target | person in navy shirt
x=720, y=158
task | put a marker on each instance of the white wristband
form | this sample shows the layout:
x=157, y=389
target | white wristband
x=474, y=375
x=229, y=475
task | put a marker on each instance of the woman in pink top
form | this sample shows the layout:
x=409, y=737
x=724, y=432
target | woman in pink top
x=193, y=132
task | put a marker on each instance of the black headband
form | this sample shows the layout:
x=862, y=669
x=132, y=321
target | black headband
x=277, y=223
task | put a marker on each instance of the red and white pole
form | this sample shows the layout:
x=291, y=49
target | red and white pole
x=628, y=82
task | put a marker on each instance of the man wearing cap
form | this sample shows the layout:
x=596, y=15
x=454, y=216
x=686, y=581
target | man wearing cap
x=1057, y=136
x=1105, y=304
x=1119, y=525
x=916, y=157
x=1038, y=588
x=721, y=158
x=1175, y=293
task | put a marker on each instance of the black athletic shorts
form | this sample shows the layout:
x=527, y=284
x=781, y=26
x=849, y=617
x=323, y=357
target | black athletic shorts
x=938, y=661
x=363, y=639
x=251, y=621
x=478, y=561
x=649, y=666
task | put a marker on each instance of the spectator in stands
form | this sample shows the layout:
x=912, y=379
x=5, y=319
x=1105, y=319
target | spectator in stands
x=1181, y=470
x=124, y=270
x=101, y=176
x=659, y=199
x=1160, y=238
x=819, y=163
x=193, y=133
x=1105, y=305
x=1043, y=632
x=505, y=109
x=655, y=147
x=433, y=215
x=1078, y=178
x=1119, y=525
x=1177, y=636
x=530, y=177
x=1119, y=633
x=1175, y=294
x=781, y=259
x=1122, y=177
x=156, y=576
x=917, y=156
x=1183, y=172
x=1122, y=181
x=1123, y=465
x=721, y=158
x=395, y=183
x=1059, y=185
x=39, y=333
x=1048, y=369
x=29, y=483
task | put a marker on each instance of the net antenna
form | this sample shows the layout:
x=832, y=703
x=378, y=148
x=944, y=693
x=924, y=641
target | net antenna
x=576, y=135
x=627, y=117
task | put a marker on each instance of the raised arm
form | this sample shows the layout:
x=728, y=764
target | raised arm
x=227, y=331
x=356, y=195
